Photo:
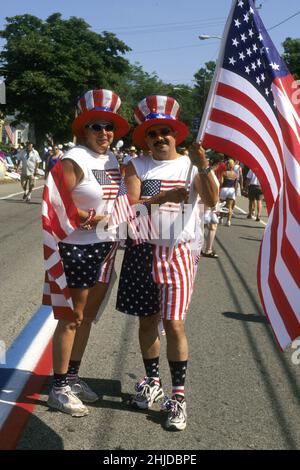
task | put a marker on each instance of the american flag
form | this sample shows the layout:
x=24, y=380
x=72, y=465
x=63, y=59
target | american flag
x=152, y=187
x=60, y=218
x=10, y=133
x=122, y=211
x=251, y=114
x=109, y=180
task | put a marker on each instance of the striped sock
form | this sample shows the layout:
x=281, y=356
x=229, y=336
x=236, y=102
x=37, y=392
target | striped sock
x=73, y=370
x=152, y=369
x=178, y=373
x=60, y=380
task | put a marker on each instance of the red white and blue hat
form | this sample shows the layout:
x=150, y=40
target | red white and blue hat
x=156, y=109
x=99, y=104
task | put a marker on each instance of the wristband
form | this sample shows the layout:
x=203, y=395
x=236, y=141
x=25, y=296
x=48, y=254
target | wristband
x=87, y=223
x=204, y=171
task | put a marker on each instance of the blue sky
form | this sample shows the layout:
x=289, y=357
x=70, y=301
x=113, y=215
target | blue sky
x=163, y=34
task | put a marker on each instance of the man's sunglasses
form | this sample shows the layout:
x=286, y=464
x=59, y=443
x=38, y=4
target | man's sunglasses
x=164, y=131
x=108, y=127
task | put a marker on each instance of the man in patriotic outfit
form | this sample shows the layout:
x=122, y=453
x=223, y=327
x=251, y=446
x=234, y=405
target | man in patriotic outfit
x=157, y=276
x=88, y=176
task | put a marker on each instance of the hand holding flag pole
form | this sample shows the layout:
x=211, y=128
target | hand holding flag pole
x=252, y=116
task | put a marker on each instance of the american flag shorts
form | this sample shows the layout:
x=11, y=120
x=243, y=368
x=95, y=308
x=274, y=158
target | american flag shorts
x=84, y=265
x=150, y=283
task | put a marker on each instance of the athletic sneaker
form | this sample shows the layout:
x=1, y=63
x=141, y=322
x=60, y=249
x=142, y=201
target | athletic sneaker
x=28, y=198
x=83, y=391
x=228, y=223
x=147, y=393
x=176, y=420
x=64, y=400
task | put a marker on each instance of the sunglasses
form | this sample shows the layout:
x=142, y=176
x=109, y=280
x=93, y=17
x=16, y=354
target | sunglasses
x=164, y=131
x=108, y=127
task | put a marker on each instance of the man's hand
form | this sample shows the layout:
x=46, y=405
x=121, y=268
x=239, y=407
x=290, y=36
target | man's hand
x=197, y=156
x=175, y=195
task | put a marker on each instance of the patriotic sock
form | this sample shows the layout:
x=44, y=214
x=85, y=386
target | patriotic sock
x=152, y=369
x=60, y=380
x=178, y=372
x=73, y=370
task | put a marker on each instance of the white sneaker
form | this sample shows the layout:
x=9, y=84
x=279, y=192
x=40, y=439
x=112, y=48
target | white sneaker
x=148, y=392
x=176, y=420
x=83, y=391
x=28, y=198
x=228, y=223
x=64, y=400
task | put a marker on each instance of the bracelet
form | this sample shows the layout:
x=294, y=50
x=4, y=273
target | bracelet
x=204, y=171
x=87, y=224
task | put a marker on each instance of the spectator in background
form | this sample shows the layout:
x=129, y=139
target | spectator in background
x=55, y=155
x=29, y=160
x=255, y=196
x=221, y=167
x=228, y=189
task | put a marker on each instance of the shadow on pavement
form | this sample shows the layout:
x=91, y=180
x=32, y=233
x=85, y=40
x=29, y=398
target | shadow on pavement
x=252, y=317
x=251, y=239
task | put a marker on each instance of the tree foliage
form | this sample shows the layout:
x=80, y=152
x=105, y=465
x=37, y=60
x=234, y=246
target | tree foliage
x=292, y=55
x=48, y=64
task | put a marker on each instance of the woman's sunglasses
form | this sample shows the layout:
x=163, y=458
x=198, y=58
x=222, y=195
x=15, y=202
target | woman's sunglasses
x=108, y=127
x=164, y=131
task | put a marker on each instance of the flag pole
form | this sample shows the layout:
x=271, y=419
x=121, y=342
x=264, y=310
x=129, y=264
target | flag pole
x=208, y=106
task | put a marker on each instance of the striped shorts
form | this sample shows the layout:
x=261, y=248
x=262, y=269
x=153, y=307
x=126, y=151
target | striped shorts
x=150, y=283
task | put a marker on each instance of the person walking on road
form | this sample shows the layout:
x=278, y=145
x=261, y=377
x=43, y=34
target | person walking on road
x=29, y=160
x=228, y=189
x=255, y=196
x=92, y=175
x=157, y=276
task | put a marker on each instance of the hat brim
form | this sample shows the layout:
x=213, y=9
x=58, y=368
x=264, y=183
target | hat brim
x=139, y=133
x=121, y=125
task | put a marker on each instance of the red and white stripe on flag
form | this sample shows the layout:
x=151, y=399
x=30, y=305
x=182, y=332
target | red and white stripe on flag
x=252, y=116
x=60, y=218
x=9, y=132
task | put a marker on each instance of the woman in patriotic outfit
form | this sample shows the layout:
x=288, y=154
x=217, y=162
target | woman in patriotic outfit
x=91, y=173
x=157, y=276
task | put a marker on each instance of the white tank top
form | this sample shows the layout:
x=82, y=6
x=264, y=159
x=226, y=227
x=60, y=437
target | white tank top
x=157, y=176
x=98, y=189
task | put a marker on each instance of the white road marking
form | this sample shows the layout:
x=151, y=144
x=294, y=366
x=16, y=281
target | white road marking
x=243, y=212
x=17, y=194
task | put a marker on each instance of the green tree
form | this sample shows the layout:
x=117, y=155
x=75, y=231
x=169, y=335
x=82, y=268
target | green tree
x=48, y=64
x=203, y=79
x=292, y=55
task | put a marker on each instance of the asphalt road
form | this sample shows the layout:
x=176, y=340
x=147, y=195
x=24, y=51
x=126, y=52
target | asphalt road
x=242, y=392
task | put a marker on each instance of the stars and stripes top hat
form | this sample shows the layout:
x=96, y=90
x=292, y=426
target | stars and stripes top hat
x=99, y=104
x=156, y=109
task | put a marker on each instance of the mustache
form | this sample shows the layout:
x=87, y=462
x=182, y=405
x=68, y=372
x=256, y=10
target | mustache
x=162, y=141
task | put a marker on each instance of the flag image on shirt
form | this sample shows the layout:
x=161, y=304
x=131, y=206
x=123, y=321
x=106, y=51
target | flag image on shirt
x=109, y=180
x=59, y=218
x=152, y=187
x=251, y=115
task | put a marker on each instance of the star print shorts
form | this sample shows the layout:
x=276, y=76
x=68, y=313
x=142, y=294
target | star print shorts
x=152, y=283
x=138, y=294
x=84, y=265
